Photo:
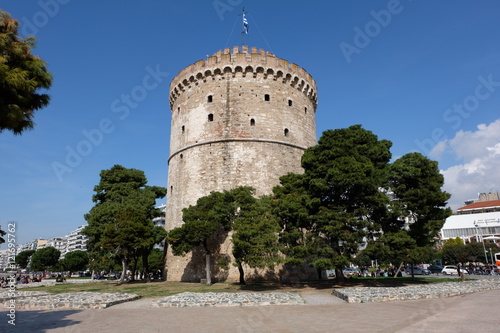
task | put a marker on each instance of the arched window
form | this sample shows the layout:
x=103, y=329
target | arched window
x=252, y=122
x=286, y=131
x=209, y=99
x=290, y=102
x=183, y=128
x=211, y=117
x=267, y=98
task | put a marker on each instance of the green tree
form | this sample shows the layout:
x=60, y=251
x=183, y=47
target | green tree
x=121, y=194
x=22, y=259
x=204, y=223
x=416, y=184
x=455, y=253
x=130, y=231
x=416, y=213
x=255, y=232
x=156, y=260
x=299, y=234
x=75, y=261
x=45, y=258
x=453, y=241
x=22, y=76
x=340, y=190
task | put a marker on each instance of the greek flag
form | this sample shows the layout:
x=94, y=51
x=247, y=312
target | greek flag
x=245, y=24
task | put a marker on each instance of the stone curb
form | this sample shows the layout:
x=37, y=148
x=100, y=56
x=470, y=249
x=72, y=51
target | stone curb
x=82, y=300
x=437, y=290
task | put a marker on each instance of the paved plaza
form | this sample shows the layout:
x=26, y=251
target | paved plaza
x=321, y=312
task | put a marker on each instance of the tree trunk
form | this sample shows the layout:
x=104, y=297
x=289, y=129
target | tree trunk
x=207, y=267
x=207, y=263
x=124, y=270
x=318, y=270
x=242, y=273
x=339, y=275
x=134, y=269
x=399, y=269
x=145, y=265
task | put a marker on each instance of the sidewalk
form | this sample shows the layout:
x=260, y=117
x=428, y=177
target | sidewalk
x=469, y=313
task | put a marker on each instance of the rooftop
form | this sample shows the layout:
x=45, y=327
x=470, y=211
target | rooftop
x=481, y=205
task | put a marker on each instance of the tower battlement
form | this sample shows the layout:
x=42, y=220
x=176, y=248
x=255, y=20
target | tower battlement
x=244, y=62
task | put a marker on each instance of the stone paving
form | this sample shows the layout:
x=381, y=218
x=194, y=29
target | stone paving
x=46, y=301
x=434, y=290
x=188, y=299
x=35, y=300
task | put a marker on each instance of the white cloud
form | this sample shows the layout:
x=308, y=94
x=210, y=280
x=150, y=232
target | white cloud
x=479, y=172
x=438, y=150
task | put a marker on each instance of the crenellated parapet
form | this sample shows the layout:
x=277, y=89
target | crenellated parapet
x=247, y=63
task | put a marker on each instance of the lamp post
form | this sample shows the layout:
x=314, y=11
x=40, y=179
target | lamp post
x=491, y=256
x=476, y=224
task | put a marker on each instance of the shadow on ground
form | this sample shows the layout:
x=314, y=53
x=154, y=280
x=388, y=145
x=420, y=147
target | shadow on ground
x=333, y=284
x=37, y=321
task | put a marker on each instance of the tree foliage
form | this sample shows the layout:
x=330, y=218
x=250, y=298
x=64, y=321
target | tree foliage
x=203, y=223
x=45, y=258
x=455, y=251
x=22, y=75
x=156, y=260
x=254, y=229
x=338, y=198
x=22, y=259
x=416, y=184
x=120, y=222
x=255, y=232
x=75, y=261
x=350, y=195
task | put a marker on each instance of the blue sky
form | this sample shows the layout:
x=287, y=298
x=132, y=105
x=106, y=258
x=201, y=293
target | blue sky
x=422, y=74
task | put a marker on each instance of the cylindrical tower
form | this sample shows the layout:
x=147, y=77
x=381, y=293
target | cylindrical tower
x=240, y=118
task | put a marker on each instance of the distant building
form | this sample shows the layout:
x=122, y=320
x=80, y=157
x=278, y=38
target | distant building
x=160, y=222
x=476, y=221
x=76, y=241
x=33, y=245
x=59, y=243
x=4, y=260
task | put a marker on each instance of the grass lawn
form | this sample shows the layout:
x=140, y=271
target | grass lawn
x=161, y=289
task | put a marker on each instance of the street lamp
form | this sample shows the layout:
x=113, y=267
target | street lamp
x=476, y=224
x=491, y=256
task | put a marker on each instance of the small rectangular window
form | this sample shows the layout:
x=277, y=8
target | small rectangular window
x=209, y=99
x=290, y=102
x=267, y=98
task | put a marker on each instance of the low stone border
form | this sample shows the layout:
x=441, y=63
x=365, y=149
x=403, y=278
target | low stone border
x=6, y=294
x=81, y=300
x=435, y=290
x=52, y=282
x=188, y=299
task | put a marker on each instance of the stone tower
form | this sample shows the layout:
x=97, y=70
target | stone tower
x=241, y=117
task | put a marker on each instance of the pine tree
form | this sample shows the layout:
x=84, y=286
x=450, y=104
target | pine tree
x=22, y=75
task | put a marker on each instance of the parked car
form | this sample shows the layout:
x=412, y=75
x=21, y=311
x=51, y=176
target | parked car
x=349, y=272
x=452, y=270
x=435, y=269
x=417, y=270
